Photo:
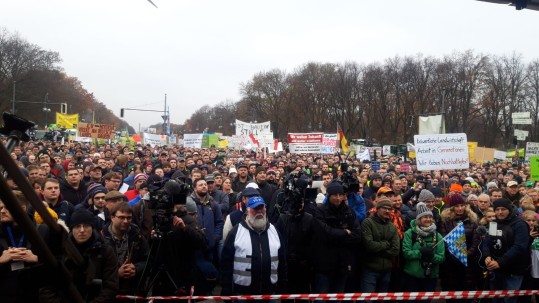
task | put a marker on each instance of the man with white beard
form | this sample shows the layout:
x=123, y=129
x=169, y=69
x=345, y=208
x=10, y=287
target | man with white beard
x=253, y=260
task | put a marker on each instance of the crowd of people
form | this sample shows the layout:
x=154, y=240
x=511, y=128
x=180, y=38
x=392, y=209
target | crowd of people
x=256, y=223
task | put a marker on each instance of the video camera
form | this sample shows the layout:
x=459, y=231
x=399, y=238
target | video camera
x=163, y=196
x=297, y=189
x=348, y=179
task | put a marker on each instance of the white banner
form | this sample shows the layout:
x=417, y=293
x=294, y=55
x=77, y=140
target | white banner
x=430, y=125
x=305, y=143
x=245, y=128
x=444, y=151
x=241, y=142
x=500, y=155
x=329, y=142
x=192, y=140
x=532, y=149
x=154, y=140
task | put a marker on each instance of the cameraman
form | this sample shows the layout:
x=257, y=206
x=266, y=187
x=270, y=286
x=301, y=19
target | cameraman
x=296, y=227
x=178, y=251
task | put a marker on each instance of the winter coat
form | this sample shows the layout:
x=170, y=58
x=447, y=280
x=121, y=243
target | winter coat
x=222, y=199
x=411, y=245
x=74, y=196
x=266, y=191
x=510, y=249
x=260, y=263
x=96, y=279
x=20, y=285
x=210, y=218
x=138, y=250
x=380, y=243
x=334, y=251
x=456, y=276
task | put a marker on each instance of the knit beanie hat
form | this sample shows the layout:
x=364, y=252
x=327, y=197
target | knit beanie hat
x=422, y=210
x=455, y=187
x=334, y=187
x=436, y=191
x=502, y=202
x=456, y=199
x=491, y=185
x=95, y=188
x=140, y=177
x=259, y=169
x=425, y=195
x=384, y=203
x=81, y=216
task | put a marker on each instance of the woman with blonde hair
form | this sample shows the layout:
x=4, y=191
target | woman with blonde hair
x=454, y=274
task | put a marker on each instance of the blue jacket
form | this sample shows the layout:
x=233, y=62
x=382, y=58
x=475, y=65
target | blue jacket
x=210, y=219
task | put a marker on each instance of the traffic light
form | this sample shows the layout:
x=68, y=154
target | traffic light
x=121, y=113
x=63, y=108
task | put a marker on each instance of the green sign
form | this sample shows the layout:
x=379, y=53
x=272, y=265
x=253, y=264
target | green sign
x=209, y=139
x=534, y=168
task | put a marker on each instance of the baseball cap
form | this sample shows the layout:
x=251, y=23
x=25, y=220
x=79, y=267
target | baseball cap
x=384, y=190
x=255, y=202
x=512, y=183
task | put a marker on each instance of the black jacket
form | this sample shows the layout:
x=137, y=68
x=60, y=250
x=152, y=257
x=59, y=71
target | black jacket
x=138, y=251
x=96, y=279
x=510, y=249
x=334, y=250
x=74, y=196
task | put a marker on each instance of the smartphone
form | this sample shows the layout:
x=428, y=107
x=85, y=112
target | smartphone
x=536, y=228
x=492, y=229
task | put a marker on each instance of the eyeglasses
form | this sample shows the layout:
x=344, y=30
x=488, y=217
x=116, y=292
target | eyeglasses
x=123, y=218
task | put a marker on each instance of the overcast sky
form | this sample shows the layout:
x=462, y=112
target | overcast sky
x=129, y=53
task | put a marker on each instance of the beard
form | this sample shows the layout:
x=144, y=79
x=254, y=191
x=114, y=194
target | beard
x=258, y=224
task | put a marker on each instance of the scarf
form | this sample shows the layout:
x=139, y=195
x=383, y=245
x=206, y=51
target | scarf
x=426, y=231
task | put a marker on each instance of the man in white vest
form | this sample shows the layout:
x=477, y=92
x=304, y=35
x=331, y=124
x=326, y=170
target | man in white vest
x=253, y=261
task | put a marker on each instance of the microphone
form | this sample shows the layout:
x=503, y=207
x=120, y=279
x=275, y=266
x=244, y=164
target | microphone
x=481, y=230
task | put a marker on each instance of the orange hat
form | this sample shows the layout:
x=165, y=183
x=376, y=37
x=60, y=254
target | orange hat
x=456, y=187
x=384, y=190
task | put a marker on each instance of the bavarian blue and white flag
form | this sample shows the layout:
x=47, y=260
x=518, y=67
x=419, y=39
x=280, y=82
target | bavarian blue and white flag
x=456, y=243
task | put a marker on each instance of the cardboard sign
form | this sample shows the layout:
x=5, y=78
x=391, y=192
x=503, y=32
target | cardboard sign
x=96, y=131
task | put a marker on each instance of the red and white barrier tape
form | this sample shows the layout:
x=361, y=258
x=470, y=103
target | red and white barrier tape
x=400, y=296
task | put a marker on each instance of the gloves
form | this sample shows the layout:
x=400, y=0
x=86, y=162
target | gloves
x=427, y=253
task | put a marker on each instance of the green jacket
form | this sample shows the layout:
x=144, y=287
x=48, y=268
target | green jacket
x=380, y=242
x=412, y=255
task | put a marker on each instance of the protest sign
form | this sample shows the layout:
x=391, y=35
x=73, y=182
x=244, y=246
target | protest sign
x=375, y=165
x=209, y=140
x=245, y=128
x=532, y=149
x=154, y=140
x=534, y=168
x=483, y=154
x=329, y=141
x=305, y=143
x=500, y=155
x=445, y=151
x=67, y=121
x=95, y=131
x=192, y=140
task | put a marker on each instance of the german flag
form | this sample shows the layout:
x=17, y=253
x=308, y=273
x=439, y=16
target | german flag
x=344, y=143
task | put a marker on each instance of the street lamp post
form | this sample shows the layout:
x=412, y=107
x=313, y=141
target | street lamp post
x=14, y=90
x=46, y=109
